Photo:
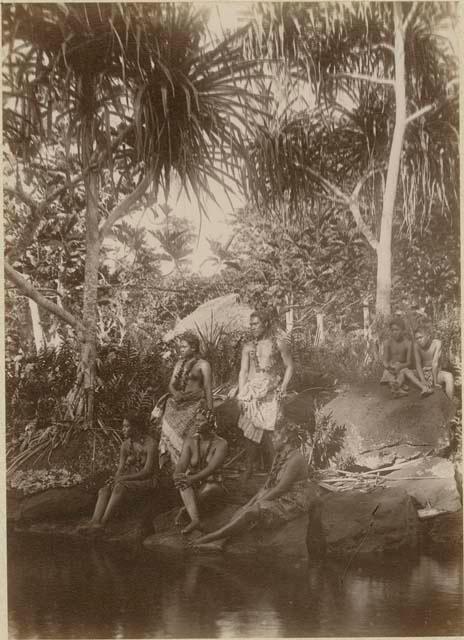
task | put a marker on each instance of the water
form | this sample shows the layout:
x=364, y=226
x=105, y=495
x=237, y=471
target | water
x=61, y=589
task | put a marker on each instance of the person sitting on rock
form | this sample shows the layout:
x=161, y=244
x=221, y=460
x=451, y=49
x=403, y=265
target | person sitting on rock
x=197, y=474
x=137, y=472
x=285, y=495
x=427, y=354
x=397, y=357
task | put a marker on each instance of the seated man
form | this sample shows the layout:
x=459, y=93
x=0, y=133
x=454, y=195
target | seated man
x=197, y=473
x=397, y=351
x=284, y=496
x=427, y=353
x=136, y=474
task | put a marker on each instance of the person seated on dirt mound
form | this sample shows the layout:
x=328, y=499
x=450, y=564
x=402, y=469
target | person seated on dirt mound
x=397, y=358
x=197, y=474
x=428, y=374
x=285, y=495
x=137, y=473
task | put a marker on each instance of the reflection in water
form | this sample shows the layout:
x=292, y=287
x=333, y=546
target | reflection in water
x=58, y=589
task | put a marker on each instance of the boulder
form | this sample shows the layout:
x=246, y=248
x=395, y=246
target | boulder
x=55, y=504
x=381, y=521
x=430, y=482
x=381, y=430
x=287, y=542
x=445, y=531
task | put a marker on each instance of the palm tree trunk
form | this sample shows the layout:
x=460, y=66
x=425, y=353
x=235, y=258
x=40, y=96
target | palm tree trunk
x=384, y=254
x=92, y=261
x=90, y=311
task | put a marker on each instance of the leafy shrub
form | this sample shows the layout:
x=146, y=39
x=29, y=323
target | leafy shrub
x=345, y=356
x=327, y=440
x=38, y=384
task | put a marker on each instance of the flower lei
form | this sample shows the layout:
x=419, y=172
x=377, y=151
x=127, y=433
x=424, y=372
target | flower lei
x=254, y=355
x=181, y=377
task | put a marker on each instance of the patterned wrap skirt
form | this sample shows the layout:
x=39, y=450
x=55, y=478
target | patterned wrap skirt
x=259, y=406
x=291, y=505
x=176, y=426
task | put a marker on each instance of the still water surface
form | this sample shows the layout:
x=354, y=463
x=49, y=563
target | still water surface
x=61, y=589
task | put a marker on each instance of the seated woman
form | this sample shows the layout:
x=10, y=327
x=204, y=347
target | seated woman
x=197, y=473
x=136, y=473
x=190, y=389
x=284, y=496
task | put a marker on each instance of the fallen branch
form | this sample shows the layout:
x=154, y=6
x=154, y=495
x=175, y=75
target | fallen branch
x=234, y=459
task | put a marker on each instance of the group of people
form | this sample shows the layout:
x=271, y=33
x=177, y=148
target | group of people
x=193, y=451
x=418, y=363
x=190, y=445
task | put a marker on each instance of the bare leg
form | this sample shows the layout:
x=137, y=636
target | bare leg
x=268, y=448
x=446, y=378
x=117, y=495
x=252, y=449
x=180, y=515
x=102, y=502
x=410, y=375
x=233, y=527
x=190, y=502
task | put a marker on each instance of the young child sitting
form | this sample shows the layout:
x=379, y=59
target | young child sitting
x=427, y=354
x=397, y=359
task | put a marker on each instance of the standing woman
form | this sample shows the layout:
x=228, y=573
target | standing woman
x=190, y=389
x=265, y=373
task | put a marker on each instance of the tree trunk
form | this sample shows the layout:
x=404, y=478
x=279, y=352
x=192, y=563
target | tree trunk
x=87, y=368
x=36, y=325
x=384, y=257
x=90, y=311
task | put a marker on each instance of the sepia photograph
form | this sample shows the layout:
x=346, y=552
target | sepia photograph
x=232, y=319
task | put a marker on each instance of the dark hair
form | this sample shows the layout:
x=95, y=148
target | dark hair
x=397, y=322
x=263, y=316
x=191, y=339
x=293, y=432
x=137, y=421
x=209, y=416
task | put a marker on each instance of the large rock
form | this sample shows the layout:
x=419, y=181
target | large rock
x=287, y=542
x=445, y=532
x=430, y=482
x=55, y=504
x=381, y=521
x=381, y=430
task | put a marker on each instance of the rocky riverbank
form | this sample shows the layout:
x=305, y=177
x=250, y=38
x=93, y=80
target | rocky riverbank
x=404, y=496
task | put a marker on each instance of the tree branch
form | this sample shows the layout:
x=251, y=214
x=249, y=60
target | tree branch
x=363, y=180
x=410, y=16
x=420, y=112
x=124, y=207
x=340, y=196
x=362, y=226
x=365, y=78
x=26, y=288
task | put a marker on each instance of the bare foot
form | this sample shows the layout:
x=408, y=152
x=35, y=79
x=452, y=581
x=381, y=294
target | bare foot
x=399, y=393
x=195, y=524
x=426, y=391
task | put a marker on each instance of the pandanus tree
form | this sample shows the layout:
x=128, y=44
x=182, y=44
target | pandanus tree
x=143, y=95
x=378, y=138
